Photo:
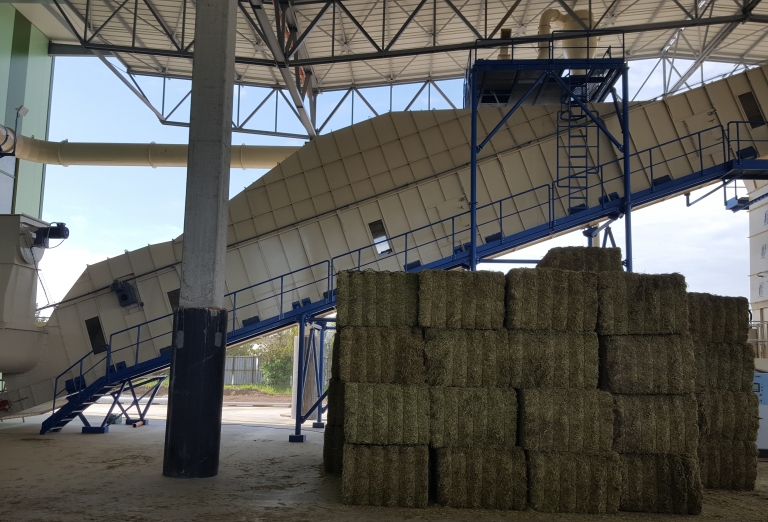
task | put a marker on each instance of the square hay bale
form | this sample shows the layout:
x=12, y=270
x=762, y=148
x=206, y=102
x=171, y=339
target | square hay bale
x=566, y=420
x=661, y=484
x=642, y=304
x=335, y=415
x=655, y=424
x=455, y=300
x=724, y=366
x=647, y=364
x=333, y=449
x=485, y=477
x=470, y=358
x=466, y=417
x=583, y=259
x=553, y=359
x=562, y=482
x=335, y=353
x=726, y=464
x=370, y=298
x=386, y=414
x=392, y=476
x=381, y=355
x=551, y=299
x=728, y=416
x=714, y=318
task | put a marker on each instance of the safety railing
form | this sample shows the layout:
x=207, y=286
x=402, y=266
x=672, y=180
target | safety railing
x=738, y=134
x=407, y=251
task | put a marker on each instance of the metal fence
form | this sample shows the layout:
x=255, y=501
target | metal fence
x=242, y=370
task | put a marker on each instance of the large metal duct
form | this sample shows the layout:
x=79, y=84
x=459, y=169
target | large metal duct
x=132, y=154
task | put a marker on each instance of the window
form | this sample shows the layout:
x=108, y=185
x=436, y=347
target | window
x=751, y=109
x=380, y=237
x=765, y=218
x=760, y=290
x=762, y=252
x=173, y=298
x=96, y=335
x=756, y=387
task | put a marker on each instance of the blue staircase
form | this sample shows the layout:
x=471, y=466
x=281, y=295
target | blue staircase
x=107, y=377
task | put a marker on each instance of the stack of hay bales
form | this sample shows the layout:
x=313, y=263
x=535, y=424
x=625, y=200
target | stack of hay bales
x=647, y=363
x=378, y=420
x=565, y=422
x=472, y=371
x=582, y=259
x=728, y=409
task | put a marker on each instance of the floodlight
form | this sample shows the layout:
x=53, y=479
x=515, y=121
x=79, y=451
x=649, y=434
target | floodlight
x=22, y=111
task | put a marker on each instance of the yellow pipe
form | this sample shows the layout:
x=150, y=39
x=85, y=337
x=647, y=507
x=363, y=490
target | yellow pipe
x=133, y=154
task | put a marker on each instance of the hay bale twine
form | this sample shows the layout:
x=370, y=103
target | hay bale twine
x=558, y=359
x=647, y=364
x=460, y=299
x=728, y=416
x=566, y=420
x=574, y=482
x=466, y=417
x=485, y=477
x=661, y=484
x=655, y=424
x=386, y=414
x=392, y=476
x=641, y=304
x=583, y=259
x=728, y=464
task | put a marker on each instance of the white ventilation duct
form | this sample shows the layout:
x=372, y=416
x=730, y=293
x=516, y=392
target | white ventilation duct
x=132, y=154
x=574, y=48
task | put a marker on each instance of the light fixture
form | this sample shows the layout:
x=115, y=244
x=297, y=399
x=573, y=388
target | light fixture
x=22, y=111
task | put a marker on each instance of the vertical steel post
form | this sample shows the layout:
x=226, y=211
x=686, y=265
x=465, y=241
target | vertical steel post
x=320, y=379
x=300, y=375
x=473, y=173
x=627, y=174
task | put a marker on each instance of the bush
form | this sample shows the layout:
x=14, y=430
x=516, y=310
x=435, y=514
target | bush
x=276, y=355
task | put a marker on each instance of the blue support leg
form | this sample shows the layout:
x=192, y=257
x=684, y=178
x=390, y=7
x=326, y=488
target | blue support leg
x=627, y=173
x=300, y=374
x=320, y=379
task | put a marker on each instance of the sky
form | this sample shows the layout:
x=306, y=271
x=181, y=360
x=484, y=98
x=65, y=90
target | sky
x=112, y=209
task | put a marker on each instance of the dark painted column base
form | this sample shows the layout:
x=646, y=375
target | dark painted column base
x=196, y=393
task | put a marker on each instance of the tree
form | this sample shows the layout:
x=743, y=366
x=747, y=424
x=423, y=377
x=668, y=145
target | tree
x=247, y=350
x=276, y=355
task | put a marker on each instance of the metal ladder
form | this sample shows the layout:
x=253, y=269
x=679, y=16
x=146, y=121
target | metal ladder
x=578, y=146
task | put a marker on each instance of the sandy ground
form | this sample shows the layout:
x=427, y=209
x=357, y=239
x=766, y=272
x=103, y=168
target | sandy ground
x=69, y=476
x=235, y=395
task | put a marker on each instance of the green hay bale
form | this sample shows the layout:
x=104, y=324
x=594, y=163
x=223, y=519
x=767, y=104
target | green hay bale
x=714, y=318
x=469, y=358
x=726, y=464
x=381, y=355
x=583, y=259
x=728, y=415
x=485, y=477
x=647, y=364
x=335, y=353
x=642, y=304
x=550, y=299
x=655, y=424
x=455, y=300
x=333, y=449
x=371, y=298
x=566, y=420
x=574, y=482
x=661, y=484
x=465, y=417
x=392, y=476
x=559, y=359
x=386, y=414
x=335, y=415
x=724, y=366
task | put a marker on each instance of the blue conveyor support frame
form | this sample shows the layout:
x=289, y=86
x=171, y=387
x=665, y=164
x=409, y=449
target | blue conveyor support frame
x=105, y=378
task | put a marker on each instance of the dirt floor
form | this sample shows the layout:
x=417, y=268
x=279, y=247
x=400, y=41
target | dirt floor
x=235, y=395
x=69, y=476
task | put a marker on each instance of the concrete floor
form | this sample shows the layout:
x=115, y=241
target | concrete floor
x=73, y=477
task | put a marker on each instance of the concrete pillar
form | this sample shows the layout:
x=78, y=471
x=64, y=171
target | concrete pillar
x=193, y=431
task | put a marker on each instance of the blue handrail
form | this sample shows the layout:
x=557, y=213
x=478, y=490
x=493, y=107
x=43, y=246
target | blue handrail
x=548, y=192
